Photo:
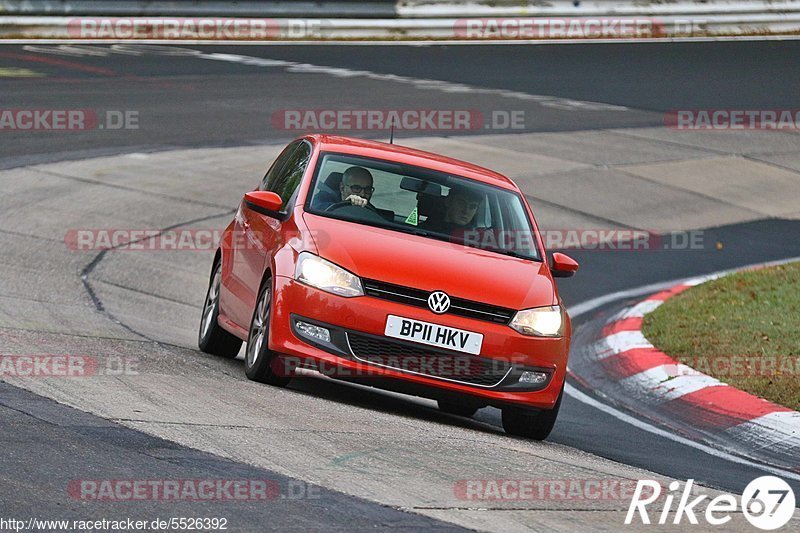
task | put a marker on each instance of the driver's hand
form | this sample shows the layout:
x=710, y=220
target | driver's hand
x=357, y=200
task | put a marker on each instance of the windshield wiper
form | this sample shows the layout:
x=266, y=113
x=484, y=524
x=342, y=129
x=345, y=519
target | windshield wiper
x=390, y=226
x=510, y=253
x=419, y=232
x=446, y=238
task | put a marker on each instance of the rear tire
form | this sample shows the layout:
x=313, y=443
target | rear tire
x=457, y=409
x=261, y=363
x=212, y=338
x=529, y=424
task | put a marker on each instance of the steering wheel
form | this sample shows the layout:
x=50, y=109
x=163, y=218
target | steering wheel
x=355, y=211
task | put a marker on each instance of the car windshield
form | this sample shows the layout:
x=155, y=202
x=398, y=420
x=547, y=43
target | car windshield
x=422, y=202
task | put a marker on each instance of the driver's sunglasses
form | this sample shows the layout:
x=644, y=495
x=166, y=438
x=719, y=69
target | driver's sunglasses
x=358, y=188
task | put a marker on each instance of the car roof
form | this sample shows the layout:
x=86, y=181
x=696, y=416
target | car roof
x=410, y=156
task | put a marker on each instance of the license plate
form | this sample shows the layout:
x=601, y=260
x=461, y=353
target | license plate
x=433, y=334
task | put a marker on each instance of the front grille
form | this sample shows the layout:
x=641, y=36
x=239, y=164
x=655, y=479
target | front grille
x=464, y=368
x=419, y=298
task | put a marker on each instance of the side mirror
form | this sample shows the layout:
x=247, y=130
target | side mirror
x=563, y=266
x=264, y=202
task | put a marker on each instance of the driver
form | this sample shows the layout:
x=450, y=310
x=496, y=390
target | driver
x=356, y=188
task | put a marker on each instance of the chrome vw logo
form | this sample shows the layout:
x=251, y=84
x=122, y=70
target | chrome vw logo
x=439, y=302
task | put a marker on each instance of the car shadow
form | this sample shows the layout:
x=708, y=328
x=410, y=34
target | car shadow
x=388, y=402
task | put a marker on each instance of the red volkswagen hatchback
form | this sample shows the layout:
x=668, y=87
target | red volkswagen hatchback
x=396, y=268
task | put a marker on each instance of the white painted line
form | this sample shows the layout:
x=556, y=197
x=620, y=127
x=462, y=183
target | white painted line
x=566, y=104
x=590, y=305
x=644, y=426
x=418, y=83
x=620, y=342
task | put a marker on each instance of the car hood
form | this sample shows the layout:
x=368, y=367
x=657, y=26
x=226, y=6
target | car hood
x=429, y=264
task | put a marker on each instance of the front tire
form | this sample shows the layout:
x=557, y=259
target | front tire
x=261, y=363
x=529, y=424
x=212, y=338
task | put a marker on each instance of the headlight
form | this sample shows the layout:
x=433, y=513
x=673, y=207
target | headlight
x=324, y=275
x=540, y=321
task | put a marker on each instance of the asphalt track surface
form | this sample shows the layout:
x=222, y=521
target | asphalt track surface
x=41, y=439
x=186, y=101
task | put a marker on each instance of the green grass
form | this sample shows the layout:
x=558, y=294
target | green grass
x=743, y=329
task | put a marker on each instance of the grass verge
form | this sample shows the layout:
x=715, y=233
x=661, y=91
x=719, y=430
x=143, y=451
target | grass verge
x=743, y=329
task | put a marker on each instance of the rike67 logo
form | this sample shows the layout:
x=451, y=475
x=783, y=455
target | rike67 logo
x=767, y=502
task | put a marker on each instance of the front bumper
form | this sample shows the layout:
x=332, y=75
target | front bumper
x=356, y=327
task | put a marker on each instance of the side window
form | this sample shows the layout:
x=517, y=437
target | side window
x=286, y=173
x=277, y=165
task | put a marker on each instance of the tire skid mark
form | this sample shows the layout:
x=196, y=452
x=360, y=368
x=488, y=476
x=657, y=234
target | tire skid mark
x=88, y=269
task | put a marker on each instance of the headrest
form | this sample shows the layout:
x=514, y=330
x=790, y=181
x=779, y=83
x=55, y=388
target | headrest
x=333, y=180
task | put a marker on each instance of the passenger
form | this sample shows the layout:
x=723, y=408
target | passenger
x=460, y=207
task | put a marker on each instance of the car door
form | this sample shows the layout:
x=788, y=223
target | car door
x=237, y=298
x=262, y=234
